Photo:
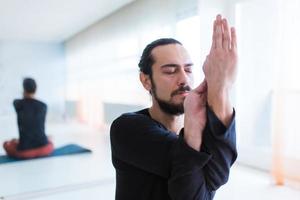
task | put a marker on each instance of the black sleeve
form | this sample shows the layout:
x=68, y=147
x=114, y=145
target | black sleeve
x=187, y=180
x=45, y=108
x=220, y=142
x=197, y=181
x=17, y=104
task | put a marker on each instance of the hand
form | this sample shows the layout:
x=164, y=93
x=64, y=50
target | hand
x=220, y=69
x=195, y=115
x=220, y=65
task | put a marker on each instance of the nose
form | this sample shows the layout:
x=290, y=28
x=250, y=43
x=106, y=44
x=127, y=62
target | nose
x=183, y=77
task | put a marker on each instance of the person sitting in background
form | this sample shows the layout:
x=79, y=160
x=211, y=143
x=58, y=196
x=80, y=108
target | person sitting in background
x=31, y=114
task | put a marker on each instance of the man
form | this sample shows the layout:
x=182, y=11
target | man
x=151, y=161
x=31, y=115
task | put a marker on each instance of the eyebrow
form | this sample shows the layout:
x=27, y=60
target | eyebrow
x=176, y=65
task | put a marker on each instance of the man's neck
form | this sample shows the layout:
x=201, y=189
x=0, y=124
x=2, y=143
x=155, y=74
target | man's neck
x=172, y=122
x=28, y=96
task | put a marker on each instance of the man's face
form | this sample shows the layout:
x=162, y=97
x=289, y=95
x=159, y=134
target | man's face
x=171, y=77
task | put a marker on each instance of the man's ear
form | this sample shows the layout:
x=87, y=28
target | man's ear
x=146, y=81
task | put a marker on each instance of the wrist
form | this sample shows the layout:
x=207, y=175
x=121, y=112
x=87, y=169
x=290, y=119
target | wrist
x=193, y=134
x=193, y=140
x=219, y=103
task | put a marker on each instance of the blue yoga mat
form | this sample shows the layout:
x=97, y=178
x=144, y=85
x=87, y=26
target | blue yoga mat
x=61, y=151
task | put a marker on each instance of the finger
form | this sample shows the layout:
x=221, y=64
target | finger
x=233, y=39
x=218, y=38
x=226, y=35
x=213, y=44
x=202, y=87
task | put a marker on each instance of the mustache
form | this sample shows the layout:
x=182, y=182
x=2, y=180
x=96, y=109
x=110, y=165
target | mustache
x=181, y=89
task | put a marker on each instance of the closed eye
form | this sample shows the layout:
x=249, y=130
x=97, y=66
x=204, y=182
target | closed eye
x=173, y=68
x=188, y=70
x=169, y=70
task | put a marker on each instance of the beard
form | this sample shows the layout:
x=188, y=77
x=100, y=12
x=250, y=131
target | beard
x=167, y=106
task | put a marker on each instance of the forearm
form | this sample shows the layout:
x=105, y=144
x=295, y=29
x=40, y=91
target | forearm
x=193, y=129
x=192, y=138
x=219, y=102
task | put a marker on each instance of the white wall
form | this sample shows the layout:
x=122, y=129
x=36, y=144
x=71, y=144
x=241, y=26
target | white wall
x=103, y=59
x=45, y=62
x=268, y=66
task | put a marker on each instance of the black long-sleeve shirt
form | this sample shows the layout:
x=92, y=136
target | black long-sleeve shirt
x=153, y=163
x=31, y=115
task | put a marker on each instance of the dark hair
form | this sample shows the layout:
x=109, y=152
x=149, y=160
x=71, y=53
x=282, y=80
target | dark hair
x=29, y=85
x=147, y=60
